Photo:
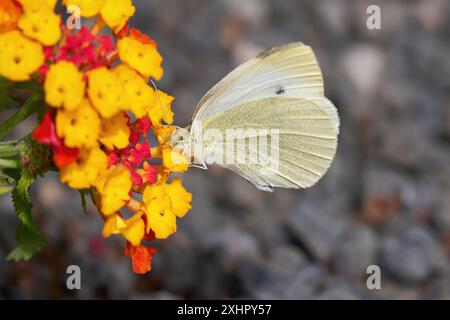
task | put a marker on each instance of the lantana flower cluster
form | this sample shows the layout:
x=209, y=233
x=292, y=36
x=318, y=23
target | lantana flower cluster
x=101, y=108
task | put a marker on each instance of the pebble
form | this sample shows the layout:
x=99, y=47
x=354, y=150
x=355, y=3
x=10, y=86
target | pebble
x=410, y=253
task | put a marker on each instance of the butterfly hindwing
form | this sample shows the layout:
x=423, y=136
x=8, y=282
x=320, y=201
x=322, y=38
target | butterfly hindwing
x=306, y=137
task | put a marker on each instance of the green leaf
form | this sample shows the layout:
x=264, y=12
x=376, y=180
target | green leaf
x=5, y=83
x=32, y=105
x=14, y=174
x=83, y=201
x=6, y=102
x=9, y=163
x=21, y=200
x=9, y=152
x=28, y=243
x=5, y=189
x=29, y=239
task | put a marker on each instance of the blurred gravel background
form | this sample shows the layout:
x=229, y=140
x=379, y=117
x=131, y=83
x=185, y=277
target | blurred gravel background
x=385, y=201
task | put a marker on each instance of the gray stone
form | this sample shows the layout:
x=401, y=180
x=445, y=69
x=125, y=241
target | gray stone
x=338, y=289
x=439, y=288
x=313, y=224
x=306, y=284
x=263, y=276
x=441, y=214
x=396, y=291
x=234, y=242
x=168, y=262
x=410, y=253
x=363, y=65
x=355, y=250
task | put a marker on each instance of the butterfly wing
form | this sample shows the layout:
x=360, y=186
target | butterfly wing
x=306, y=132
x=281, y=89
x=290, y=71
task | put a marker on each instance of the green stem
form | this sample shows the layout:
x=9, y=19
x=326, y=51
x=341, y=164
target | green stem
x=23, y=113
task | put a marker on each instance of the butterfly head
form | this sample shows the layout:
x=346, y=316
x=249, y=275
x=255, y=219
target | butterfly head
x=181, y=140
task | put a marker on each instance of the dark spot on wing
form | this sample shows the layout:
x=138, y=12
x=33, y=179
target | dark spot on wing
x=280, y=90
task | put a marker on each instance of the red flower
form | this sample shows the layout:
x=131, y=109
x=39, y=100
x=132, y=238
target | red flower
x=123, y=32
x=141, y=257
x=134, y=136
x=142, y=126
x=63, y=156
x=139, y=153
x=150, y=174
x=135, y=177
x=45, y=133
x=43, y=71
x=86, y=49
x=48, y=53
x=106, y=45
x=113, y=158
x=151, y=235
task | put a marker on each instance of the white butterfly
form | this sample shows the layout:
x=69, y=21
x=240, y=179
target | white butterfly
x=276, y=98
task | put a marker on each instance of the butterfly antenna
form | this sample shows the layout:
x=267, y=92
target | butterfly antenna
x=159, y=100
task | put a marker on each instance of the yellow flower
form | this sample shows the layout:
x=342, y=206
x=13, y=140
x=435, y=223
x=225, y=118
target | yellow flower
x=132, y=229
x=40, y=22
x=64, y=85
x=113, y=225
x=80, y=127
x=88, y=8
x=115, y=132
x=105, y=91
x=116, y=13
x=160, y=218
x=161, y=109
x=19, y=56
x=174, y=160
x=144, y=58
x=135, y=232
x=82, y=174
x=179, y=197
x=140, y=96
x=163, y=202
x=9, y=15
x=163, y=133
x=113, y=185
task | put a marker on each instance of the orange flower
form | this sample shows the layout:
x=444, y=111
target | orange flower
x=10, y=12
x=141, y=257
x=142, y=38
